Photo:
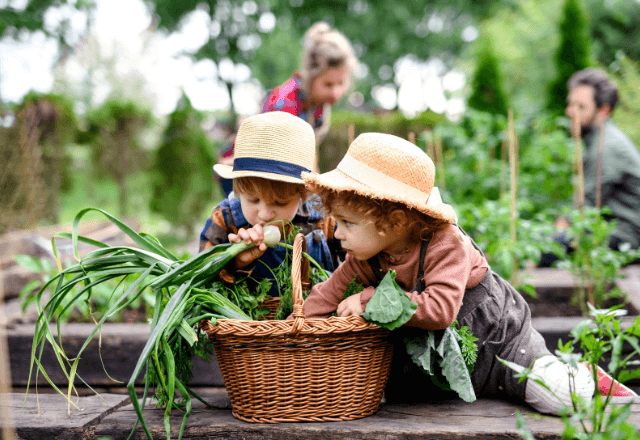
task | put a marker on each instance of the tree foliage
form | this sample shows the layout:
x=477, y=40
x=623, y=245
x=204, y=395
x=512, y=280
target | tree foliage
x=614, y=27
x=572, y=55
x=182, y=175
x=627, y=112
x=488, y=92
x=381, y=32
x=32, y=18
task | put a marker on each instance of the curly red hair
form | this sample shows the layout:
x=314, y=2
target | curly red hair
x=385, y=214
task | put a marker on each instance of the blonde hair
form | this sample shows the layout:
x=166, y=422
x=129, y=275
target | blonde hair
x=324, y=48
x=270, y=190
x=385, y=214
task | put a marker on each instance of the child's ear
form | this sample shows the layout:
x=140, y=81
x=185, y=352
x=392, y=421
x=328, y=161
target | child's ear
x=398, y=220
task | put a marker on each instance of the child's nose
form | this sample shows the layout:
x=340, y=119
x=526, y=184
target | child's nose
x=266, y=213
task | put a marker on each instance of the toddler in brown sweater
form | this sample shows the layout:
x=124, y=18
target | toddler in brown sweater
x=389, y=216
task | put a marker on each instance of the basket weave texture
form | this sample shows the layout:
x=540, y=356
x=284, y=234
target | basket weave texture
x=302, y=369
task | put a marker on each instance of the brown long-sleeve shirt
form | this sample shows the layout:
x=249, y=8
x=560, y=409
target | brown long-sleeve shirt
x=451, y=265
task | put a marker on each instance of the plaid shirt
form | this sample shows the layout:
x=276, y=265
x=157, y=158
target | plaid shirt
x=290, y=98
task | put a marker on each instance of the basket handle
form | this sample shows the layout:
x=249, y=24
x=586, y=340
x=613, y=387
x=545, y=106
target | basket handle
x=299, y=246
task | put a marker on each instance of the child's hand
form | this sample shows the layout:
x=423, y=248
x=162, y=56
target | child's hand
x=350, y=306
x=253, y=235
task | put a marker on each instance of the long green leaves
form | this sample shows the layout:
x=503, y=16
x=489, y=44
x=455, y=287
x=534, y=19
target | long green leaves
x=184, y=296
x=144, y=242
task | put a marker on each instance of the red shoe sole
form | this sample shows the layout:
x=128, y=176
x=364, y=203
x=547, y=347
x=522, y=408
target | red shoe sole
x=607, y=386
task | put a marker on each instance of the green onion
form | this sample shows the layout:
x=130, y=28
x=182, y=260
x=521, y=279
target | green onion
x=179, y=285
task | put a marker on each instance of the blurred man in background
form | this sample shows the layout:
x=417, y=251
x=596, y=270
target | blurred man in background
x=592, y=98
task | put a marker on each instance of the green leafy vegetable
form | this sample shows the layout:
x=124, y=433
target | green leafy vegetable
x=352, y=288
x=468, y=346
x=389, y=307
x=441, y=355
x=453, y=349
x=185, y=293
x=454, y=367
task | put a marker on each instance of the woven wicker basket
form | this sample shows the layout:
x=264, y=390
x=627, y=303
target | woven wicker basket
x=302, y=369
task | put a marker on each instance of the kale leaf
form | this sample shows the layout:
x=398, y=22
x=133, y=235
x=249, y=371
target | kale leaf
x=389, y=307
x=454, y=350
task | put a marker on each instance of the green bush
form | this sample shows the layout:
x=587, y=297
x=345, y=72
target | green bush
x=477, y=181
x=36, y=165
x=182, y=174
x=489, y=224
x=335, y=145
x=488, y=91
x=594, y=265
x=476, y=168
x=627, y=112
x=114, y=131
x=572, y=55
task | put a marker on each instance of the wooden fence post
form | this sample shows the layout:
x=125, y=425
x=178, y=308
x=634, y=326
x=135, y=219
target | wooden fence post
x=599, y=166
x=440, y=160
x=575, y=131
x=351, y=134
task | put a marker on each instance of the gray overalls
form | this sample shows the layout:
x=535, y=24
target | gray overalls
x=498, y=316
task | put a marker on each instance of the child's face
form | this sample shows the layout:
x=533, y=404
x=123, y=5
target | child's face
x=259, y=210
x=360, y=237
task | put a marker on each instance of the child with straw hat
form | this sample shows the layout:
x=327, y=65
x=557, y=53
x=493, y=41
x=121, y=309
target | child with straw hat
x=272, y=150
x=389, y=216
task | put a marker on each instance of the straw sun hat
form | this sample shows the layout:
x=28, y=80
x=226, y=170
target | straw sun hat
x=383, y=166
x=273, y=145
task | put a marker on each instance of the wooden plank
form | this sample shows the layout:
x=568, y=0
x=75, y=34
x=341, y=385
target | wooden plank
x=14, y=278
x=121, y=347
x=483, y=419
x=46, y=416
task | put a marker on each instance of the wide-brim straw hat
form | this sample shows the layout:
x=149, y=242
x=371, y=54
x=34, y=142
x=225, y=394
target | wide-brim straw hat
x=272, y=145
x=386, y=167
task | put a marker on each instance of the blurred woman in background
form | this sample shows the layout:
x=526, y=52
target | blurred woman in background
x=328, y=62
x=326, y=73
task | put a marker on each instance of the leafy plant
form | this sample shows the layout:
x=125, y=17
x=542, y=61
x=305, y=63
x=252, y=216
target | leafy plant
x=598, y=418
x=488, y=224
x=476, y=165
x=184, y=296
x=353, y=288
x=454, y=349
x=247, y=300
x=594, y=265
x=93, y=307
x=389, y=307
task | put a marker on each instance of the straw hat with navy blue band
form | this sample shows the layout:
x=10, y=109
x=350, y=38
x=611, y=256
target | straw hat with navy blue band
x=273, y=145
x=383, y=166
